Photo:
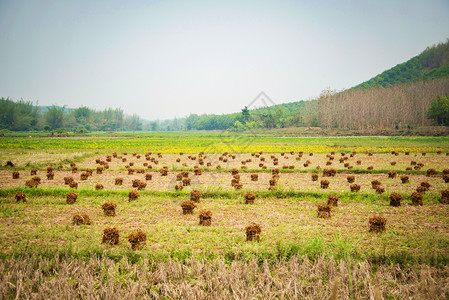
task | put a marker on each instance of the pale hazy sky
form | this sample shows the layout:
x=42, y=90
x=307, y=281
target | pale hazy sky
x=164, y=59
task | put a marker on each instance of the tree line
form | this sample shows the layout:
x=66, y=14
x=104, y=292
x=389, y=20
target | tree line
x=23, y=115
x=393, y=107
x=399, y=106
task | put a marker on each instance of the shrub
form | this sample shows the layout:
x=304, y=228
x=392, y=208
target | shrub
x=110, y=236
x=234, y=171
x=314, y=177
x=375, y=184
x=195, y=195
x=67, y=180
x=404, y=179
x=416, y=198
x=73, y=185
x=133, y=195
x=99, y=170
x=355, y=187
x=421, y=189
x=71, y=197
x=253, y=232
x=197, y=171
x=163, y=171
x=33, y=172
x=20, y=196
x=135, y=183
x=329, y=172
x=350, y=178
x=82, y=219
x=446, y=178
x=130, y=171
x=377, y=224
x=273, y=182
x=15, y=175
x=254, y=177
x=99, y=186
x=392, y=174
x=10, y=164
x=393, y=163
x=370, y=168
x=238, y=186
x=380, y=190
x=235, y=181
x=395, y=199
x=109, y=208
x=118, y=181
x=50, y=175
x=431, y=172
x=141, y=185
x=137, y=239
x=148, y=176
x=31, y=183
x=186, y=182
x=446, y=171
x=426, y=184
x=332, y=200
x=205, y=217
x=84, y=176
x=324, y=211
x=250, y=197
x=444, y=196
x=324, y=184
x=187, y=207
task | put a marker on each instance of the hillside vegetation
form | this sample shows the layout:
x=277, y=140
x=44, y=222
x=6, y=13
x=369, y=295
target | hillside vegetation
x=431, y=63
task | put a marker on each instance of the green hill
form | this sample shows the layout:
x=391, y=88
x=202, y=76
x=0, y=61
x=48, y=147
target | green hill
x=431, y=63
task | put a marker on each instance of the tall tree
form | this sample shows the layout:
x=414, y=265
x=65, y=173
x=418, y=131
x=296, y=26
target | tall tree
x=245, y=115
x=54, y=117
x=439, y=110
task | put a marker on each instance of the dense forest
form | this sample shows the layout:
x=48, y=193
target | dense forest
x=396, y=98
x=431, y=63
